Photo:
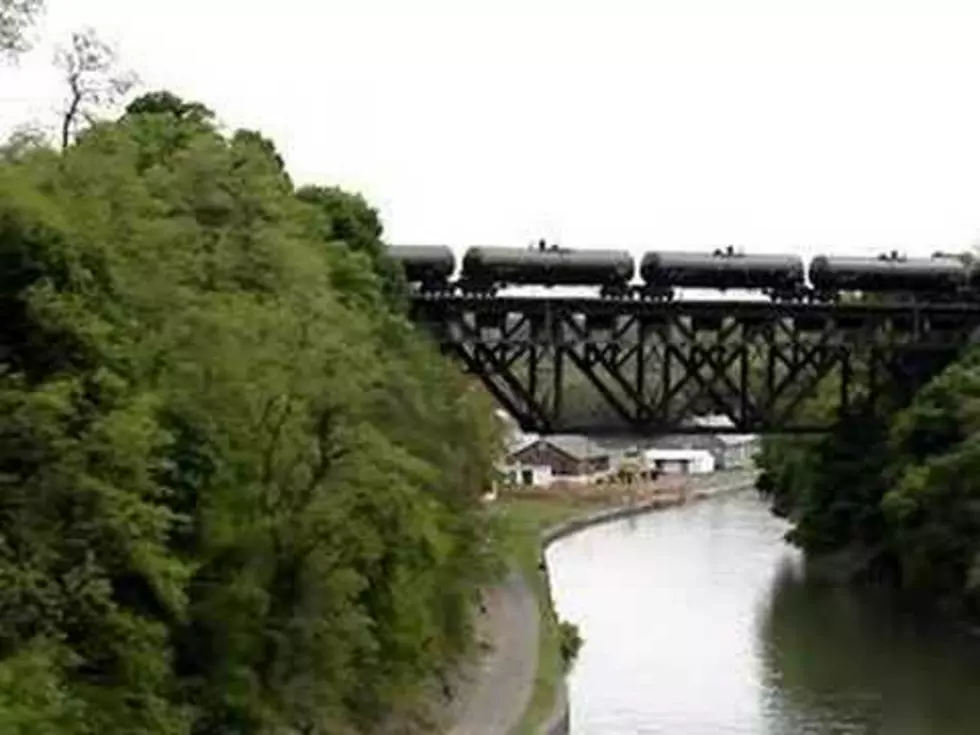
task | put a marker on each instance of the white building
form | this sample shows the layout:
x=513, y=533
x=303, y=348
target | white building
x=680, y=461
x=739, y=450
x=730, y=451
x=521, y=475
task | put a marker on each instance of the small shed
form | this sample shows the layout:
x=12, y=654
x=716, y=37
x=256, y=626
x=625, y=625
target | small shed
x=732, y=450
x=565, y=455
x=739, y=449
x=680, y=461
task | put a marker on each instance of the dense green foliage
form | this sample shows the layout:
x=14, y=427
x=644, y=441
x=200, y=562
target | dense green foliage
x=238, y=492
x=570, y=642
x=895, y=498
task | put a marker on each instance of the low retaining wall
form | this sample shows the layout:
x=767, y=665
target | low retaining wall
x=559, y=723
x=610, y=514
x=732, y=488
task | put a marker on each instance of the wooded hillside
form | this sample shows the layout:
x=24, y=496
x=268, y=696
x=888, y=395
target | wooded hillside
x=895, y=497
x=238, y=492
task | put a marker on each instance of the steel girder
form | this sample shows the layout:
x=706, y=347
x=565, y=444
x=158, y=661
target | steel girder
x=631, y=367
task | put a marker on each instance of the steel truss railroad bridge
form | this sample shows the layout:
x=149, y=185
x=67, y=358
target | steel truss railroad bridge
x=597, y=366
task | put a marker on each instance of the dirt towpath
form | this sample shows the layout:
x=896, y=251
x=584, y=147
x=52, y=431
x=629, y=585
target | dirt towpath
x=501, y=683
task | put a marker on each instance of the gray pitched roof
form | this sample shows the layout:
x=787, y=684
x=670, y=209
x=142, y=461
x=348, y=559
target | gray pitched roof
x=734, y=440
x=579, y=447
x=701, y=441
x=517, y=442
x=686, y=441
x=721, y=421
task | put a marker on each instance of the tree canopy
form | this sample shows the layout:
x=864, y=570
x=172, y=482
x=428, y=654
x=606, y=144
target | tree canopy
x=238, y=491
x=894, y=496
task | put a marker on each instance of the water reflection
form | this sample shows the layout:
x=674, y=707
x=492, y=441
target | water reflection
x=699, y=621
x=838, y=661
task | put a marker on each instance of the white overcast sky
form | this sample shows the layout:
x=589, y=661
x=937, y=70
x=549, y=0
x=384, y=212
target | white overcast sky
x=777, y=126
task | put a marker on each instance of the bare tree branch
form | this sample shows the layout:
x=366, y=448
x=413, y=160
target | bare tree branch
x=68, y=119
x=94, y=81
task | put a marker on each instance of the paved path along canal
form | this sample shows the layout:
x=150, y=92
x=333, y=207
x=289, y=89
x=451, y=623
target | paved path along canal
x=503, y=680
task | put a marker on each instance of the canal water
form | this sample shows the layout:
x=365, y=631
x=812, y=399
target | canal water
x=698, y=620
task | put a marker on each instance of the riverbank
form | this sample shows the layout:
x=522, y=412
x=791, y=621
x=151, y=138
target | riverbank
x=528, y=648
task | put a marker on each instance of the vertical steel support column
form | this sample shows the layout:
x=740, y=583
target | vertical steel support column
x=743, y=372
x=640, y=369
x=532, y=375
x=769, y=335
x=873, y=364
x=558, y=334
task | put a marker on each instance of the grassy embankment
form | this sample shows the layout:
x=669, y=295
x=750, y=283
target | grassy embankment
x=525, y=521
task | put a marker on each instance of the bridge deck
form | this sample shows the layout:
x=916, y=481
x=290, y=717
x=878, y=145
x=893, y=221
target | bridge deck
x=718, y=307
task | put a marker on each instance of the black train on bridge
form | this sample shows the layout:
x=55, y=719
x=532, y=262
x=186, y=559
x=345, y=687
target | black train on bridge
x=783, y=278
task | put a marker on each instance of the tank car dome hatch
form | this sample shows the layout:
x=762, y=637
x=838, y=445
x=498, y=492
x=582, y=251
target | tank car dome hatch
x=729, y=251
x=893, y=255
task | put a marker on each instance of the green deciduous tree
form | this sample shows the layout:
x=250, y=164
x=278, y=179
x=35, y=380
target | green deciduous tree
x=347, y=219
x=933, y=504
x=240, y=493
x=896, y=496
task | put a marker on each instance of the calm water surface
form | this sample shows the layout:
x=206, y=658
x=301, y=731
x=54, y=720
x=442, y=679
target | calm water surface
x=698, y=621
